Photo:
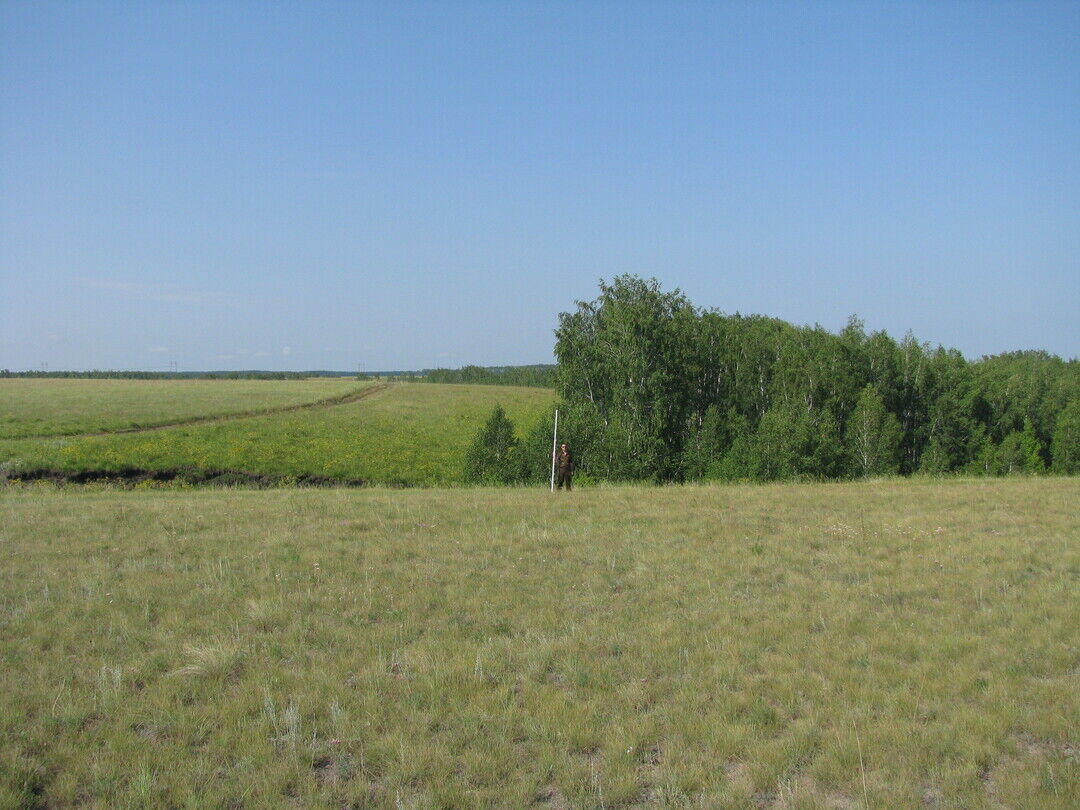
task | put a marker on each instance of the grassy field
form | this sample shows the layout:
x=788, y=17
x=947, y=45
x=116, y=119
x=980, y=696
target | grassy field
x=412, y=434
x=30, y=407
x=886, y=644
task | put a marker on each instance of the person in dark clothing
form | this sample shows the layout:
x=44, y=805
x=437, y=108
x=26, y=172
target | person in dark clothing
x=564, y=468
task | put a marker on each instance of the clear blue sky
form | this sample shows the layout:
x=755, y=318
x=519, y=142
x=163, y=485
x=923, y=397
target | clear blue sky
x=319, y=185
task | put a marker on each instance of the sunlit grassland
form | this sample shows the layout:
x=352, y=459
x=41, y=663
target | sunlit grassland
x=414, y=434
x=68, y=406
x=885, y=644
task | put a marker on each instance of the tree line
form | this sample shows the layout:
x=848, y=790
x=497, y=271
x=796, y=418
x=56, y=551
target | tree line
x=655, y=388
x=534, y=376
x=165, y=375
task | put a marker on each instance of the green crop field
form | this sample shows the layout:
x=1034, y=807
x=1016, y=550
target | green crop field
x=34, y=407
x=893, y=644
x=396, y=433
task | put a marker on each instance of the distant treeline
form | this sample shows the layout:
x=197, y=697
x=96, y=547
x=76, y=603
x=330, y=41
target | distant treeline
x=654, y=388
x=535, y=376
x=169, y=375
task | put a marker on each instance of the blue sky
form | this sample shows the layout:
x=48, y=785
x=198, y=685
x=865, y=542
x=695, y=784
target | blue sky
x=324, y=185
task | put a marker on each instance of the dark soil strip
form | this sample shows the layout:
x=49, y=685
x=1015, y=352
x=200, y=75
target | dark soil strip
x=131, y=477
x=329, y=402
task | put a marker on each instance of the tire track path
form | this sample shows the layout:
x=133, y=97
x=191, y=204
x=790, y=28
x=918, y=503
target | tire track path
x=329, y=402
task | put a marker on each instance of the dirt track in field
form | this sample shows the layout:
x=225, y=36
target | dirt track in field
x=329, y=402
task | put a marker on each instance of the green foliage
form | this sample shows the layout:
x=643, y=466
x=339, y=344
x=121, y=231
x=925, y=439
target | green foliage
x=985, y=458
x=493, y=456
x=873, y=437
x=1020, y=453
x=658, y=389
x=1025, y=387
x=935, y=459
x=708, y=443
x=534, y=452
x=793, y=443
x=742, y=461
x=778, y=445
x=619, y=369
x=1066, y=444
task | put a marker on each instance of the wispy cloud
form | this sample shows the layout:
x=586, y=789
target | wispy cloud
x=163, y=293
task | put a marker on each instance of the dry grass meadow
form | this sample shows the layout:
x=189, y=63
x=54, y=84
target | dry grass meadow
x=891, y=644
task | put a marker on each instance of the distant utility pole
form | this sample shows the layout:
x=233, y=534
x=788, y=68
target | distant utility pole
x=554, y=442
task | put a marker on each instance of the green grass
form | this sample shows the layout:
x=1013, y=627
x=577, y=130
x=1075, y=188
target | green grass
x=413, y=434
x=885, y=644
x=30, y=407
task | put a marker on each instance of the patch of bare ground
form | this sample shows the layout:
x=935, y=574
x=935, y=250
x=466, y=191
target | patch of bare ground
x=799, y=790
x=932, y=797
x=648, y=770
x=330, y=770
x=738, y=774
x=551, y=798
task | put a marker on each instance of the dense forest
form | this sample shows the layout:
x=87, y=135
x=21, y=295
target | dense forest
x=654, y=388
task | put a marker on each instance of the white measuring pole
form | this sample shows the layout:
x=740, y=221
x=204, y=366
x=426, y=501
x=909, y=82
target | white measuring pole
x=554, y=441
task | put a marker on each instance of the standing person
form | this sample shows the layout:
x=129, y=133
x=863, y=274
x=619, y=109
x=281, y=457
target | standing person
x=564, y=468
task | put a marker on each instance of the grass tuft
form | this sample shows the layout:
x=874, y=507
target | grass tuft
x=214, y=660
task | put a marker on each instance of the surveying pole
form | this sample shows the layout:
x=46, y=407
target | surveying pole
x=554, y=442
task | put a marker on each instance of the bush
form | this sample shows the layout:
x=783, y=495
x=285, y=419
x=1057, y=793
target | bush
x=493, y=456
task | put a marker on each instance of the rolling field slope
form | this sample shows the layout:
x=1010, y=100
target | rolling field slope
x=408, y=434
x=30, y=407
x=898, y=644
